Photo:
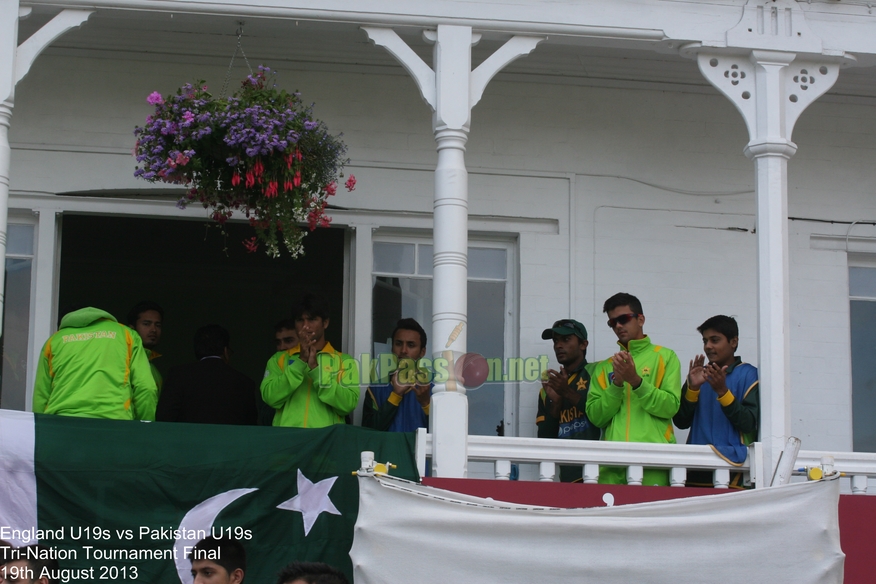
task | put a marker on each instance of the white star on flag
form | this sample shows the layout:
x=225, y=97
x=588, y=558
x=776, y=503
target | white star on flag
x=311, y=500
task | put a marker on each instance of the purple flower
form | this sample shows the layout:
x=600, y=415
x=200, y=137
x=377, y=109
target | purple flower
x=310, y=125
x=155, y=98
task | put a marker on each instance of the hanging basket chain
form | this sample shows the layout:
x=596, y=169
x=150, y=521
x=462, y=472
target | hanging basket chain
x=238, y=49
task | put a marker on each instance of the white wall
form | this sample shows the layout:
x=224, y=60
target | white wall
x=574, y=155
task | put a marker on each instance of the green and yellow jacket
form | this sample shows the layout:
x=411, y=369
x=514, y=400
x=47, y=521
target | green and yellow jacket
x=643, y=414
x=311, y=398
x=94, y=367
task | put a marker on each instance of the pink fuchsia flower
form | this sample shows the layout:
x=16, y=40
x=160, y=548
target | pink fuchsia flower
x=296, y=180
x=331, y=188
x=182, y=159
x=271, y=190
x=351, y=183
x=235, y=179
x=251, y=245
x=155, y=98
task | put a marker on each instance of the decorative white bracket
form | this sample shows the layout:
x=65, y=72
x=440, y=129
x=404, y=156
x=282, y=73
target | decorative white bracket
x=426, y=78
x=516, y=47
x=413, y=64
x=775, y=80
x=30, y=49
x=15, y=63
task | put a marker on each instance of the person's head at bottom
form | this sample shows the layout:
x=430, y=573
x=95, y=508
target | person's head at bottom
x=218, y=560
x=32, y=566
x=311, y=573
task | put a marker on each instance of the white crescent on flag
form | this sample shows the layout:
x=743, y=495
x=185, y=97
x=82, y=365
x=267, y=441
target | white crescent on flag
x=201, y=517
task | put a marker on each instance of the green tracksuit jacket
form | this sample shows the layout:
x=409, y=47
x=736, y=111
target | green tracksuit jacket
x=94, y=367
x=311, y=398
x=637, y=415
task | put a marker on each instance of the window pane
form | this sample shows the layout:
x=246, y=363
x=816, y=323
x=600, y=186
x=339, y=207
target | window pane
x=394, y=258
x=396, y=298
x=16, y=316
x=862, y=282
x=424, y=260
x=20, y=239
x=486, y=263
x=863, y=319
x=486, y=335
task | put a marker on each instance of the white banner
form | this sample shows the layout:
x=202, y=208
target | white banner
x=406, y=532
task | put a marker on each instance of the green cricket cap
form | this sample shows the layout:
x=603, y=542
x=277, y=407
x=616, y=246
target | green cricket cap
x=564, y=327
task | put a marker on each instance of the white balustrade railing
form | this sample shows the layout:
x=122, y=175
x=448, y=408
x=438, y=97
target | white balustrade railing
x=548, y=453
x=502, y=452
x=858, y=466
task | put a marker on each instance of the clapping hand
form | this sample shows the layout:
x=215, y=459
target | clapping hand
x=696, y=376
x=624, y=369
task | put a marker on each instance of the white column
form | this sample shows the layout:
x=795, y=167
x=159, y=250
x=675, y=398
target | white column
x=45, y=308
x=771, y=89
x=361, y=303
x=15, y=62
x=451, y=89
x=9, y=15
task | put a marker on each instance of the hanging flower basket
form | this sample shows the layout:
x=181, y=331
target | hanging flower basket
x=259, y=152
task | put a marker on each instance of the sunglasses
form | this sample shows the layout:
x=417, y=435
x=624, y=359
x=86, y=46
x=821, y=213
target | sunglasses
x=622, y=319
x=565, y=322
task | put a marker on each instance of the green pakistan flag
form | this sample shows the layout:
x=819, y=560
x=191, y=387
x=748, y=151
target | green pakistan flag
x=125, y=493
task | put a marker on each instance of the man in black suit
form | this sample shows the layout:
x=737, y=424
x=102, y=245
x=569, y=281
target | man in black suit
x=209, y=391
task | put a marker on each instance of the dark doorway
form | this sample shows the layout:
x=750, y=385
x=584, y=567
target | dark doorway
x=199, y=276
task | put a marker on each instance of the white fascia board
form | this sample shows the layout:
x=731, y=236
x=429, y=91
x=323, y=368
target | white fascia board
x=663, y=23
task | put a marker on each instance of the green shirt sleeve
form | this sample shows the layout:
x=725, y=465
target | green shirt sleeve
x=280, y=383
x=684, y=418
x=144, y=393
x=378, y=416
x=604, y=398
x=662, y=401
x=42, y=387
x=336, y=377
x=745, y=415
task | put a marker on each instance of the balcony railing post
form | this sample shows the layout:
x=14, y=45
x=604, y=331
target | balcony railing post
x=503, y=470
x=547, y=471
x=635, y=475
x=591, y=474
x=677, y=476
x=722, y=478
x=859, y=484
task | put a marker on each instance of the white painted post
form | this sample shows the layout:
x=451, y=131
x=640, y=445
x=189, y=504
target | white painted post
x=15, y=62
x=771, y=88
x=451, y=89
x=547, y=471
x=449, y=416
x=635, y=475
x=363, y=262
x=859, y=484
x=45, y=308
x=677, y=476
x=503, y=470
x=721, y=478
x=9, y=15
x=591, y=474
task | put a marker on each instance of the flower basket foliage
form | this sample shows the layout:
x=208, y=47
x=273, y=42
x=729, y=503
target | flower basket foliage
x=259, y=152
